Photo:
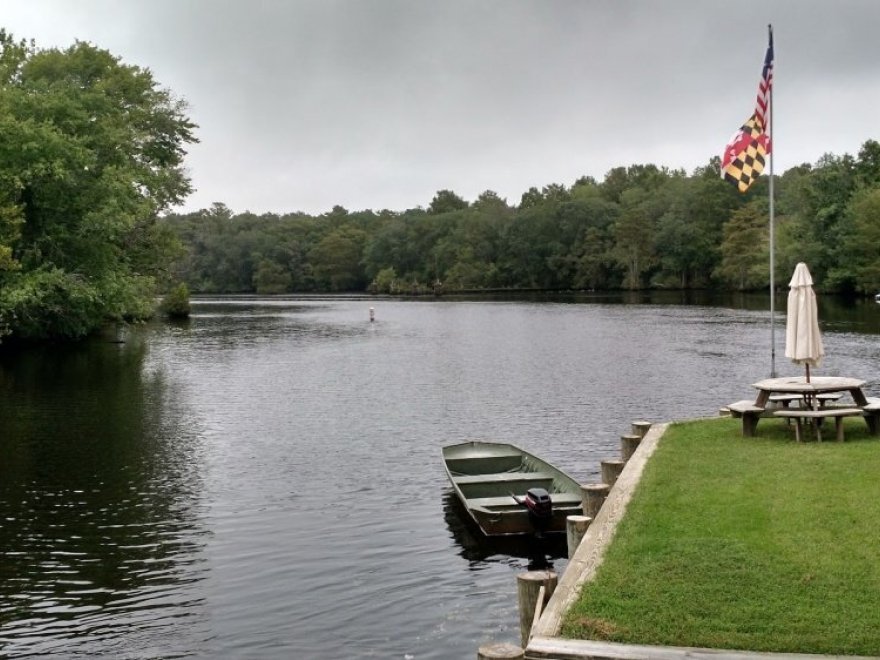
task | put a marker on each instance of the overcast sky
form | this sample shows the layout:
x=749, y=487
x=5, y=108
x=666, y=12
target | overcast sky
x=304, y=104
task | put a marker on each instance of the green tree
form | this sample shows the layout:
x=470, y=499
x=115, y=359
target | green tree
x=92, y=152
x=634, y=235
x=689, y=233
x=745, y=250
x=861, y=244
x=336, y=260
x=385, y=280
x=175, y=304
x=594, y=264
x=445, y=201
x=271, y=277
x=868, y=164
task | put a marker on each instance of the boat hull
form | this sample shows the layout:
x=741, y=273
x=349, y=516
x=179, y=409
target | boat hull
x=486, y=475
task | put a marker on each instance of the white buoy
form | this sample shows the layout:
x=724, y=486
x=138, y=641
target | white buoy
x=372, y=314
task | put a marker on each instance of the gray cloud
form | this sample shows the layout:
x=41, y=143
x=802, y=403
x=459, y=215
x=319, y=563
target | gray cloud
x=380, y=103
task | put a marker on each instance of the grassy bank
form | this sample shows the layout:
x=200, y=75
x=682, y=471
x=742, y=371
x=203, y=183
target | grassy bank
x=745, y=543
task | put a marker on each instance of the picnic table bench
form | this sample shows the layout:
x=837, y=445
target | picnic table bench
x=786, y=399
x=750, y=414
x=871, y=411
x=816, y=417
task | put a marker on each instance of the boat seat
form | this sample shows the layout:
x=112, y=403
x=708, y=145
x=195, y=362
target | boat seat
x=493, y=502
x=558, y=499
x=566, y=498
x=504, y=477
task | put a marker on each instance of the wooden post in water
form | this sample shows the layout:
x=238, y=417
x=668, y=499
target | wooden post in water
x=529, y=586
x=575, y=528
x=640, y=428
x=500, y=651
x=611, y=469
x=628, y=445
x=592, y=498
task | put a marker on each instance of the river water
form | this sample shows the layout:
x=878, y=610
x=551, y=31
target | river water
x=265, y=481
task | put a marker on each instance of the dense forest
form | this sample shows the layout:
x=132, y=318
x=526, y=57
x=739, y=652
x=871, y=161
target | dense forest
x=92, y=164
x=643, y=226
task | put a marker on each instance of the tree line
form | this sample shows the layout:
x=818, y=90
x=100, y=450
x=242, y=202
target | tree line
x=643, y=226
x=91, y=166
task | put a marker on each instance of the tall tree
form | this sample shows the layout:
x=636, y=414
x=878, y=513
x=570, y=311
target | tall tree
x=336, y=260
x=445, y=201
x=861, y=244
x=93, y=151
x=745, y=250
x=635, y=234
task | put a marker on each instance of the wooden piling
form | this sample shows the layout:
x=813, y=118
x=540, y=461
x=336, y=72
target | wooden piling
x=628, y=445
x=611, y=469
x=575, y=528
x=592, y=498
x=528, y=587
x=640, y=428
x=500, y=651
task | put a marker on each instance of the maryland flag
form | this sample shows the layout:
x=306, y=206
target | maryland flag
x=744, y=156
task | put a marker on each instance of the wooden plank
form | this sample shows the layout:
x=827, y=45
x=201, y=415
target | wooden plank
x=556, y=648
x=558, y=499
x=503, y=477
x=817, y=414
x=744, y=406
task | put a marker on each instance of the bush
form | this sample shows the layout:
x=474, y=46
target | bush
x=49, y=304
x=175, y=304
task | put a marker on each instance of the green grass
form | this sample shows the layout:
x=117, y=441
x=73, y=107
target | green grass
x=745, y=543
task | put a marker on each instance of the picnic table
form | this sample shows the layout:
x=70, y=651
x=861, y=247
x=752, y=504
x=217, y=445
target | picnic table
x=812, y=395
x=817, y=385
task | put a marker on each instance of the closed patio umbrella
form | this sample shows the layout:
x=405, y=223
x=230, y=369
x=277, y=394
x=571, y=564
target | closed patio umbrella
x=803, y=341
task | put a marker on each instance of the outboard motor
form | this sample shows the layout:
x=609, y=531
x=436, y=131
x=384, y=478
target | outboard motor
x=540, y=507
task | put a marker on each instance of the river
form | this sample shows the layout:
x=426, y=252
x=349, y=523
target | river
x=264, y=481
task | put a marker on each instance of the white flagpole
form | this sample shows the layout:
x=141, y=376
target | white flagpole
x=772, y=237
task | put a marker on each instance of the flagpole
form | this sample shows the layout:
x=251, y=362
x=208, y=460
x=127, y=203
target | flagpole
x=772, y=235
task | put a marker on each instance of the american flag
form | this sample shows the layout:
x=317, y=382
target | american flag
x=764, y=87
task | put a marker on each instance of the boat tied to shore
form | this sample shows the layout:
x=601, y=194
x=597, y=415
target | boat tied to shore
x=506, y=490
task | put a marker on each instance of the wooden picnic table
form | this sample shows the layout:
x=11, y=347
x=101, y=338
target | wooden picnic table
x=817, y=385
x=779, y=389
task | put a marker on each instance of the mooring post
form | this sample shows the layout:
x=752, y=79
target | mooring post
x=592, y=498
x=372, y=314
x=611, y=469
x=641, y=428
x=575, y=528
x=628, y=445
x=528, y=586
x=500, y=651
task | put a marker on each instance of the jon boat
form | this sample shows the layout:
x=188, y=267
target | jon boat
x=499, y=486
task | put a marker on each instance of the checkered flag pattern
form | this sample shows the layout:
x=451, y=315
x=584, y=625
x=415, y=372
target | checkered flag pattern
x=745, y=155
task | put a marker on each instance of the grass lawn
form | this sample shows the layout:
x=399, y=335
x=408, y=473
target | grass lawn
x=758, y=543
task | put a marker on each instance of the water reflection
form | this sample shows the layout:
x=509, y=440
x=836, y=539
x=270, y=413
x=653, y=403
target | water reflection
x=294, y=448
x=100, y=491
x=478, y=548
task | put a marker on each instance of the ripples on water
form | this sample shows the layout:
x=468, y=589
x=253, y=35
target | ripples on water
x=265, y=480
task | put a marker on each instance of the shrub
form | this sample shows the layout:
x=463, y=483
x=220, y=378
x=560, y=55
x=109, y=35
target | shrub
x=175, y=304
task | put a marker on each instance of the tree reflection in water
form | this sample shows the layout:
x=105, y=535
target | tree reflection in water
x=100, y=488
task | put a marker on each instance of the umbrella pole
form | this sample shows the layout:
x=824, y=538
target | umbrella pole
x=808, y=372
